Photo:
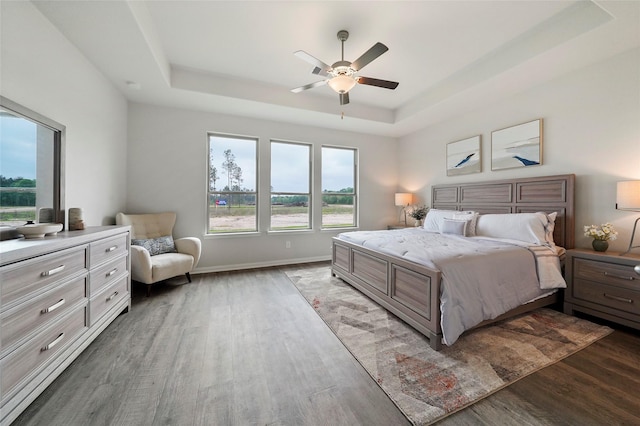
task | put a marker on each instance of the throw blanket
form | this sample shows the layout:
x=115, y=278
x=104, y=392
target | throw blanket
x=482, y=278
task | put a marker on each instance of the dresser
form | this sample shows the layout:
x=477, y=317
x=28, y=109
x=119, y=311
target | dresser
x=603, y=285
x=57, y=295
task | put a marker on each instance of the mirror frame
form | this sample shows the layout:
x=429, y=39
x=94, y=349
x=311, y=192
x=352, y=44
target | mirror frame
x=59, y=131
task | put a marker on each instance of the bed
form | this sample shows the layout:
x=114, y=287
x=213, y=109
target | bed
x=413, y=289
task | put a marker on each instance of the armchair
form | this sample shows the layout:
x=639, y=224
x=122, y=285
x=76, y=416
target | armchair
x=155, y=256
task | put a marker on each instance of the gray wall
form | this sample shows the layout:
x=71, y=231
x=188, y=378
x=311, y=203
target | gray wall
x=591, y=128
x=42, y=71
x=167, y=169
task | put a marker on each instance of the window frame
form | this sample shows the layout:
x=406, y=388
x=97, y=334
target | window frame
x=211, y=193
x=354, y=193
x=309, y=194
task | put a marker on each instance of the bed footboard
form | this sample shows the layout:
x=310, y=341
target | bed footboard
x=409, y=291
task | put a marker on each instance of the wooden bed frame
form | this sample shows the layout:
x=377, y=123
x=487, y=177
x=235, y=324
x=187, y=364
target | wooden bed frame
x=412, y=291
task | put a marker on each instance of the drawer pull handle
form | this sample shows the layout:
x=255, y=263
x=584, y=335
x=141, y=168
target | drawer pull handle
x=53, y=307
x=52, y=344
x=619, y=299
x=622, y=277
x=110, y=249
x=110, y=273
x=110, y=298
x=53, y=271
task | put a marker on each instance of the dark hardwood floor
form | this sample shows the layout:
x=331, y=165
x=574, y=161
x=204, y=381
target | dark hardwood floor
x=245, y=348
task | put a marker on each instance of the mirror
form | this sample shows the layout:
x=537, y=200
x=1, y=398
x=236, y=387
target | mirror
x=31, y=167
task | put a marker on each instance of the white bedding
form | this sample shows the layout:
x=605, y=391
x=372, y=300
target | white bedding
x=482, y=278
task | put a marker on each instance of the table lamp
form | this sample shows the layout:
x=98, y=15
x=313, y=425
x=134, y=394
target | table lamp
x=403, y=199
x=628, y=198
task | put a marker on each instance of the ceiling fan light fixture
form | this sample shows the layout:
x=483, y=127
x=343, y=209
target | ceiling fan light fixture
x=342, y=83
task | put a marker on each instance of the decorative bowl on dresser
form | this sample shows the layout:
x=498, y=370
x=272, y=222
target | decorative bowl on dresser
x=57, y=294
x=603, y=285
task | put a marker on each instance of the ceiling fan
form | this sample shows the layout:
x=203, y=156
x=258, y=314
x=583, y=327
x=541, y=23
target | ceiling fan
x=341, y=76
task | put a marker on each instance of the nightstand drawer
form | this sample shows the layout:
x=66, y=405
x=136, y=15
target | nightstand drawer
x=615, y=297
x=606, y=273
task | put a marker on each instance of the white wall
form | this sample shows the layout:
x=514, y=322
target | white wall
x=167, y=171
x=42, y=71
x=591, y=128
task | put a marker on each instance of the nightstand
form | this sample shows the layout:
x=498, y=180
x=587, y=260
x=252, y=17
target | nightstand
x=603, y=285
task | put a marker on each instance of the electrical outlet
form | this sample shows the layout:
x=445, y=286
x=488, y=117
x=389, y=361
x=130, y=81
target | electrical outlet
x=287, y=244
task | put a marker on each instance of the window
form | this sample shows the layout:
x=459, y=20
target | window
x=233, y=181
x=290, y=186
x=31, y=172
x=339, y=193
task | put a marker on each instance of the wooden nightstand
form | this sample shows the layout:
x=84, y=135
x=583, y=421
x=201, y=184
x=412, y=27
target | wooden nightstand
x=603, y=285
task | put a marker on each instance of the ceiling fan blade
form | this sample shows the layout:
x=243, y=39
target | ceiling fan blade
x=344, y=98
x=309, y=86
x=320, y=67
x=368, y=56
x=378, y=83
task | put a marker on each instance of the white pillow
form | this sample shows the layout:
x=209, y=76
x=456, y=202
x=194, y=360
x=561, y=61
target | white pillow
x=433, y=221
x=453, y=226
x=534, y=228
x=471, y=218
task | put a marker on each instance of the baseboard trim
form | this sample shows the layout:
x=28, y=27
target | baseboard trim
x=241, y=266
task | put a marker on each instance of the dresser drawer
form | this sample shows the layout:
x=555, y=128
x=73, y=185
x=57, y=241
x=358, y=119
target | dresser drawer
x=105, y=274
x=22, y=321
x=19, y=279
x=107, y=249
x=17, y=366
x=606, y=273
x=100, y=304
x=619, y=298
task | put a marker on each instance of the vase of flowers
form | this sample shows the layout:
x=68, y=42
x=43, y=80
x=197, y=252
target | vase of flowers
x=418, y=213
x=601, y=235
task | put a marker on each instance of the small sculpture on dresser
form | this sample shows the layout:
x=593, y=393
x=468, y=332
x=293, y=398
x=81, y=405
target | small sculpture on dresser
x=75, y=219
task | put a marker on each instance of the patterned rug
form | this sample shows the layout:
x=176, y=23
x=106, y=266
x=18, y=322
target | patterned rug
x=427, y=385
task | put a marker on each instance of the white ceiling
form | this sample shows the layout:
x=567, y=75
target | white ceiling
x=236, y=57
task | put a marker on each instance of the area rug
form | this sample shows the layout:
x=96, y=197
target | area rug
x=427, y=385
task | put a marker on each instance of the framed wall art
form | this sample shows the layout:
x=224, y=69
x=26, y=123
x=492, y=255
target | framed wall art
x=517, y=146
x=463, y=157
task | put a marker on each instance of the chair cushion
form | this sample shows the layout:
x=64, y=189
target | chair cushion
x=156, y=246
x=169, y=265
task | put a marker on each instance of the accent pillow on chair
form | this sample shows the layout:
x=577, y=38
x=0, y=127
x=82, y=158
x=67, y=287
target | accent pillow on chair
x=155, y=255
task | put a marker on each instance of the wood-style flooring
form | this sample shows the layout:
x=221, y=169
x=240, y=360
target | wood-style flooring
x=245, y=348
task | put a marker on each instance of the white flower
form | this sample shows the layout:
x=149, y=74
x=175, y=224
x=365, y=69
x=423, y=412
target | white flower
x=603, y=232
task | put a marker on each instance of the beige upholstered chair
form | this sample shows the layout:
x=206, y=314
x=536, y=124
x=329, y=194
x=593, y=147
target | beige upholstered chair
x=153, y=256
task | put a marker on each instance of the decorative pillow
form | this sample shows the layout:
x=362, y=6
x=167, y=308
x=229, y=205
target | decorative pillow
x=453, y=226
x=471, y=218
x=433, y=221
x=534, y=228
x=157, y=245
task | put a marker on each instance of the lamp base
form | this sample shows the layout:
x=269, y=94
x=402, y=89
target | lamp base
x=633, y=234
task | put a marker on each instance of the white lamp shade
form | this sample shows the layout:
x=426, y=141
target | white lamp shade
x=628, y=195
x=403, y=198
x=342, y=83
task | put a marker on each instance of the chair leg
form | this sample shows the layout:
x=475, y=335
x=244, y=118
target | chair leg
x=148, y=290
x=188, y=276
